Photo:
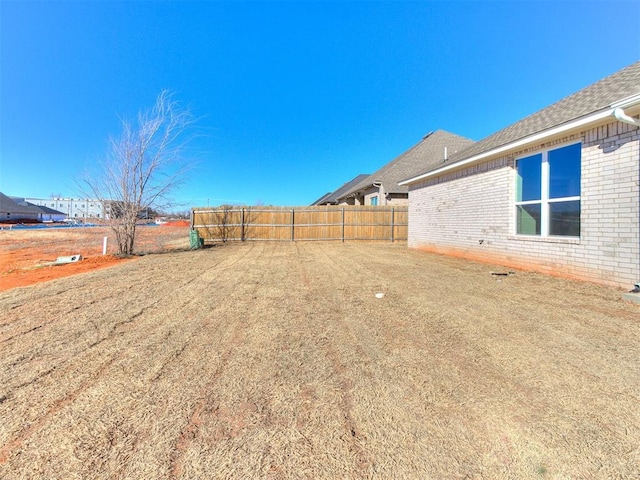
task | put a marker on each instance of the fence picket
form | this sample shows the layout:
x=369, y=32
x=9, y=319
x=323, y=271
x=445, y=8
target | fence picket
x=340, y=223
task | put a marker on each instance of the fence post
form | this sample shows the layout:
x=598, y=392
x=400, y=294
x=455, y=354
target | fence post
x=342, y=234
x=242, y=225
x=393, y=211
x=293, y=214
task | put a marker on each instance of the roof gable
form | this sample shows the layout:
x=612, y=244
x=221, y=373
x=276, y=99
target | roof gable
x=7, y=205
x=428, y=153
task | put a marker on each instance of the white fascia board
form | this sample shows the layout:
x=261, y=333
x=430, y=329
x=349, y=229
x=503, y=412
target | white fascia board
x=572, y=125
x=627, y=102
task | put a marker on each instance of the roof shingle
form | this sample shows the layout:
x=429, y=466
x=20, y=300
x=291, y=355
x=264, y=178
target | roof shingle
x=592, y=99
x=332, y=197
x=428, y=153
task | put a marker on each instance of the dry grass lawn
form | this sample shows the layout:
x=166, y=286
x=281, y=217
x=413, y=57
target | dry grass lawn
x=276, y=360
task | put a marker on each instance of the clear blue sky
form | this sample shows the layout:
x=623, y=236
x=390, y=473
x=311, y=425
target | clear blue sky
x=294, y=98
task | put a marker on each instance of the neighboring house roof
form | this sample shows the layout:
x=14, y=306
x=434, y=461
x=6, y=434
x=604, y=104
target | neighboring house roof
x=7, y=205
x=598, y=97
x=19, y=206
x=323, y=199
x=46, y=210
x=36, y=208
x=332, y=197
x=428, y=153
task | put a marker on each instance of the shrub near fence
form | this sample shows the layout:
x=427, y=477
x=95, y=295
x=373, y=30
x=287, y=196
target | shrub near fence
x=340, y=222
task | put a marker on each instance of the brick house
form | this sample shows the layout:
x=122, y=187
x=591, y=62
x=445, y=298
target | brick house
x=556, y=192
x=382, y=187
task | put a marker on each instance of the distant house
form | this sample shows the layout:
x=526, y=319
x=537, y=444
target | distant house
x=383, y=188
x=331, y=198
x=557, y=191
x=50, y=214
x=13, y=212
x=46, y=214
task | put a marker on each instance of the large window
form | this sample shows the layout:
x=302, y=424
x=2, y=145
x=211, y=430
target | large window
x=374, y=200
x=548, y=193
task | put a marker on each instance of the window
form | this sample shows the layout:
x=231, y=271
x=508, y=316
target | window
x=548, y=193
x=374, y=200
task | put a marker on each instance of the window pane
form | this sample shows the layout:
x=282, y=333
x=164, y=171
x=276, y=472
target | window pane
x=564, y=218
x=529, y=219
x=529, y=171
x=564, y=172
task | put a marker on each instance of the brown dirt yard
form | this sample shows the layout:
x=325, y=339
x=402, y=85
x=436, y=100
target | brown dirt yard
x=276, y=360
x=25, y=253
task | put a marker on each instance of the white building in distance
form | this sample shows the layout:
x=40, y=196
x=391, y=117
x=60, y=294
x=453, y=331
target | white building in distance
x=74, y=208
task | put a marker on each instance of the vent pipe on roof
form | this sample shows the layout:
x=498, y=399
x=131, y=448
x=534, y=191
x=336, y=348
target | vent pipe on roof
x=623, y=117
x=446, y=157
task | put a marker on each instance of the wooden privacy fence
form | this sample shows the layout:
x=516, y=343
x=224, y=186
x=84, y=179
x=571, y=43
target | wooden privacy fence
x=301, y=223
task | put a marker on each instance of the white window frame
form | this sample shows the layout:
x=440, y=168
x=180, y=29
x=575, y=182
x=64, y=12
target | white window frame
x=544, y=201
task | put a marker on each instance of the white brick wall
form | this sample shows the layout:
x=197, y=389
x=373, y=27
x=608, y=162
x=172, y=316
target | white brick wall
x=470, y=213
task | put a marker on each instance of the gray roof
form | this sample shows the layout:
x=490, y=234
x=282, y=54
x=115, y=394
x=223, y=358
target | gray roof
x=7, y=205
x=323, y=200
x=332, y=197
x=428, y=153
x=19, y=205
x=45, y=209
x=596, y=97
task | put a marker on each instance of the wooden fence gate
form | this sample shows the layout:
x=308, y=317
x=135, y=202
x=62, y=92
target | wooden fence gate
x=341, y=222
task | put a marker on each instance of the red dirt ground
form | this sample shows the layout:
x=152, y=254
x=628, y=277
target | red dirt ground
x=23, y=252
x=12, y=277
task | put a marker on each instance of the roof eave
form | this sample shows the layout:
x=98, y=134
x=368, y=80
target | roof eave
x=533, y=138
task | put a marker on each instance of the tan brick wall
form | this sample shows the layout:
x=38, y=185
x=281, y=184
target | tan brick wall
x=372, y=192
x=396, y=200
x=470, y=213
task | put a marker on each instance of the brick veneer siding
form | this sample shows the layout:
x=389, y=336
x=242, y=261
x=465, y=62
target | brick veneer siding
x=470, y=213
x=397, y=199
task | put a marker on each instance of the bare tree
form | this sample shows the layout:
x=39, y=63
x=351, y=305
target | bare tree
x=144, y=165
x=227, y=222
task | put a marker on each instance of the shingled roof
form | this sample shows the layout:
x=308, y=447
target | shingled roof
x=595, y=98
x=7, y=205
x=428, y=153
x=332, y=197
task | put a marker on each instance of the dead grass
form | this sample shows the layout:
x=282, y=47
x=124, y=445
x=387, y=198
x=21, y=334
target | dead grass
x=277, y=361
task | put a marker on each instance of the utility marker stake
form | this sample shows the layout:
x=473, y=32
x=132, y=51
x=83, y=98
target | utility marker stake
x=104, y=246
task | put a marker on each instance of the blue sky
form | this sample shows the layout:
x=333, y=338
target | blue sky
x=293, y=98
